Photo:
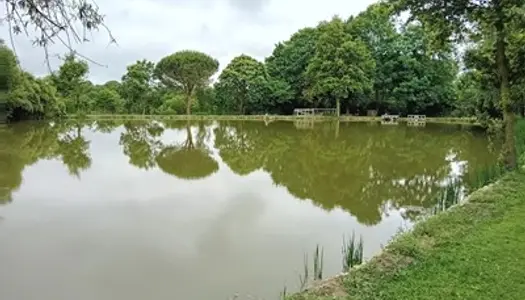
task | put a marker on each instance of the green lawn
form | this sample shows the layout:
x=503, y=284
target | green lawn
x=475, y=251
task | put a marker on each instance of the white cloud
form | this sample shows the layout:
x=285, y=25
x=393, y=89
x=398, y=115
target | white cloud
x=151, y=29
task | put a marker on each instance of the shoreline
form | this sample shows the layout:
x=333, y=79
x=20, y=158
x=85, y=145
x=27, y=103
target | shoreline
x=414, y=254
x=442, y=120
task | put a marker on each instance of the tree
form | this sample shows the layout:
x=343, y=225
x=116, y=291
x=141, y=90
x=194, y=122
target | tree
x=137, y=87
x=341, y=69
x=70, y=83
x=243, y=86
x=106, y=100
x=8, y=71
x=188, y=70
x=288, y=64
x=22, y=95
x=494, y=20
x=421, y=81
x=376, y=28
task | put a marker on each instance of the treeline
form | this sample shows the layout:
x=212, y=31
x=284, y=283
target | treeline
x=369, y=62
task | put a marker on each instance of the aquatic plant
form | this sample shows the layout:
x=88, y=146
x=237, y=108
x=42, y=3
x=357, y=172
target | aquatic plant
x=318, y=259
x=352, y=251
x=303, y=279
x=451, y=194
x=318, y=263
x=283, y=294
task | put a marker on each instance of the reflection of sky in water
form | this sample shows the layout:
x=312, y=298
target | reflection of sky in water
x=120, y=232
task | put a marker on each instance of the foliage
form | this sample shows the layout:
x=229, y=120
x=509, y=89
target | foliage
x=71, y=83
x=370, y=61
x=106, y=99
x=288, y=64
x=24, y=96
x=341, y=69
x=494, y=25
x=244, y=87
x=187, y=70
x=137, y=87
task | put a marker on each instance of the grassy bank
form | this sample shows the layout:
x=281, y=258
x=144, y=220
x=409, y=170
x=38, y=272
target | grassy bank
x=267, y=118
x=473, y=251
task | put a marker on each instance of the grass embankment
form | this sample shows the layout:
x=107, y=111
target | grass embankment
x=268, y=118
x=473, y=251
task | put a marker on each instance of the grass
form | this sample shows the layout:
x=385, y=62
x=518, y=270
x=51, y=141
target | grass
x=475, y=250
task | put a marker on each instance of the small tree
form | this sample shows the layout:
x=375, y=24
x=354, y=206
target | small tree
x=188, y=70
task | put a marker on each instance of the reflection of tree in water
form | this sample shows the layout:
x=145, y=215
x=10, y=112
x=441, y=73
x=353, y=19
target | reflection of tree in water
x=188, y=160
x=141, y=143
x=73, y=149
x=23, y=144
x=107, y=126
x=359, y=171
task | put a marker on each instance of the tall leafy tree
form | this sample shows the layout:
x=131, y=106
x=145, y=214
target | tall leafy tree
x=376, y=28
x=494, y=20
x=243, y=86
x=70, y=83
x=187, y=70
x=137, y=87
x=422, y=81
x=8, y=71
x=288, y=64
x=342, y=68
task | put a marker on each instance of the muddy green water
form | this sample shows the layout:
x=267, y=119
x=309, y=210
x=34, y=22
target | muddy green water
x=150, y=210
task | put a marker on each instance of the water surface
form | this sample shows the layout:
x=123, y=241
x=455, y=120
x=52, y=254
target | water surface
x=150, y=210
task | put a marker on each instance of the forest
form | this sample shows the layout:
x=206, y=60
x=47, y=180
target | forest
x=372, y=61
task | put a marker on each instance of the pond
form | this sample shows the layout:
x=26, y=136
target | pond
x=211, y=210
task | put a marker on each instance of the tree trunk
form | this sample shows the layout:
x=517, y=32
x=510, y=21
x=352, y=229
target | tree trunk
x=509, y=147
x=338, y=108
x=188, y=104
x=189, y=137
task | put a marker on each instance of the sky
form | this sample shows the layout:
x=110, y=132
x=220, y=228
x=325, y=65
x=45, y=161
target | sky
x=152, y=29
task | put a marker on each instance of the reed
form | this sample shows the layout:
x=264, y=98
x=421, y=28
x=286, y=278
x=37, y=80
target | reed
x=318, y=263
x=303, y=279
x=352, y=251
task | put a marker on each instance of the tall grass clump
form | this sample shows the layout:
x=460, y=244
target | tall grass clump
x=352, y=251
x=486, y=175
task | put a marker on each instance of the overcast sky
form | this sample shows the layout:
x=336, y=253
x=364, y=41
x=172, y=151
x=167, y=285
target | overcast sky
x=152, y=29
